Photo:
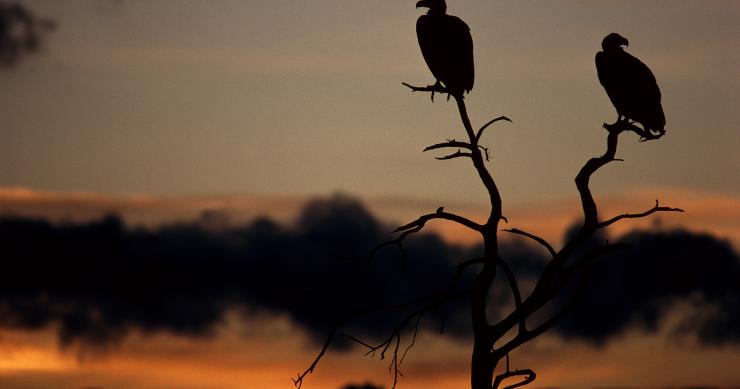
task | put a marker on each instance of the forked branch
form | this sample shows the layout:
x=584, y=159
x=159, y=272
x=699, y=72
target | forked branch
x=420, y=306
x=451, y=143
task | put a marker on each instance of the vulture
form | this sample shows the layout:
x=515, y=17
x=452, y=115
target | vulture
x=630, y=85
x=447, y=47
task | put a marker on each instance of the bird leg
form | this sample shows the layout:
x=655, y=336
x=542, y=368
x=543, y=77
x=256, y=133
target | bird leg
x=438, y=87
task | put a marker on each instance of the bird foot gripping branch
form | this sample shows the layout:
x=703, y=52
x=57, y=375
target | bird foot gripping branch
x=622, y=125
x=436, y=88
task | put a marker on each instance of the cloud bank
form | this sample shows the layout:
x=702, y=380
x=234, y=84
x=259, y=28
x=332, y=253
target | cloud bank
x=98, y=281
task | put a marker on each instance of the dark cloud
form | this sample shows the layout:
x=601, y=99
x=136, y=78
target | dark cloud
x=98, y=281
x=638, y=286
x=21, y=32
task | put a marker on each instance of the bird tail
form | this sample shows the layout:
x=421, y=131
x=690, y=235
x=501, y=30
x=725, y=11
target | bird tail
x=657, y=122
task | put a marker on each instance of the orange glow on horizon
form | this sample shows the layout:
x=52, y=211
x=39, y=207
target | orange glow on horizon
x=705, y=212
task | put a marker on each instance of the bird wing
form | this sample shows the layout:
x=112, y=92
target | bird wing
x=425, y=32
x=462, y=46
x=640, y=77
x=447, y=47
x=609, y=78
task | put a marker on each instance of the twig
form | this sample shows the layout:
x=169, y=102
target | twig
x=449, y=143
x=422, y=220
x=483, y=128
x=534, y=237
x=458, y=154
x=429, y=302
x=485, y=151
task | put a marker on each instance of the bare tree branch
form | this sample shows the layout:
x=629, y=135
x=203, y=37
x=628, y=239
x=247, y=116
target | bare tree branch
x=528, y=375
x=430, y=302
x=535, y=302
x=590, y=213
x=452, y=143
x=458, y=154
x=649, y=212
x=534, y=237
x=440, y=214
x=415, y=328
x=449, y=143
x=483, y=128
x=515, y=292
x=626, y=125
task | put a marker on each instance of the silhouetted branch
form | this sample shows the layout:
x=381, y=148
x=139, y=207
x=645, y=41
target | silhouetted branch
x=469, y=262
x=398, y=242
x=515, y=292
x=544, y=293
x=626, y=125
x=546, y=287
x=488, y=157
x=440, y=214
x=458, y=154
x=418, y=224
x=413, y=339
x=429, y=303
x=534, y=237
x=450, y=143
x=649, y=212
x=527, y=335
x=528, y=373
x=590, y=213
x=483, y=128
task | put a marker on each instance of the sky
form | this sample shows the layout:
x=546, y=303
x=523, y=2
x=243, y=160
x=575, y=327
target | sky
x=160, y=110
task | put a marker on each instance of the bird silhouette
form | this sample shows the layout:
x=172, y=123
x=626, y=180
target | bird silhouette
x=447, y=47
x=630, y=85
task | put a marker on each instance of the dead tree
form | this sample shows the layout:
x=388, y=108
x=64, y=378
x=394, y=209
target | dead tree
x=566, y=266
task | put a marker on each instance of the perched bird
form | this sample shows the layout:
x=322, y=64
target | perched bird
x=630, y=84
x=447, y=47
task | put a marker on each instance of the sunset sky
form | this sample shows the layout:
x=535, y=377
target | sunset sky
x=159, y=110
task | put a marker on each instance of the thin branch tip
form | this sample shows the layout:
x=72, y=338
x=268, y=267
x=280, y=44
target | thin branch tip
x=479, y=134
x=534, y=237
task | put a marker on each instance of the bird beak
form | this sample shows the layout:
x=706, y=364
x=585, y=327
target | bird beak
x=421, y=3
x=624, y=41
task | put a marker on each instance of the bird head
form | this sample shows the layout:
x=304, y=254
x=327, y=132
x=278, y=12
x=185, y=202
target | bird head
x=614, y=41
x=435, y=6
